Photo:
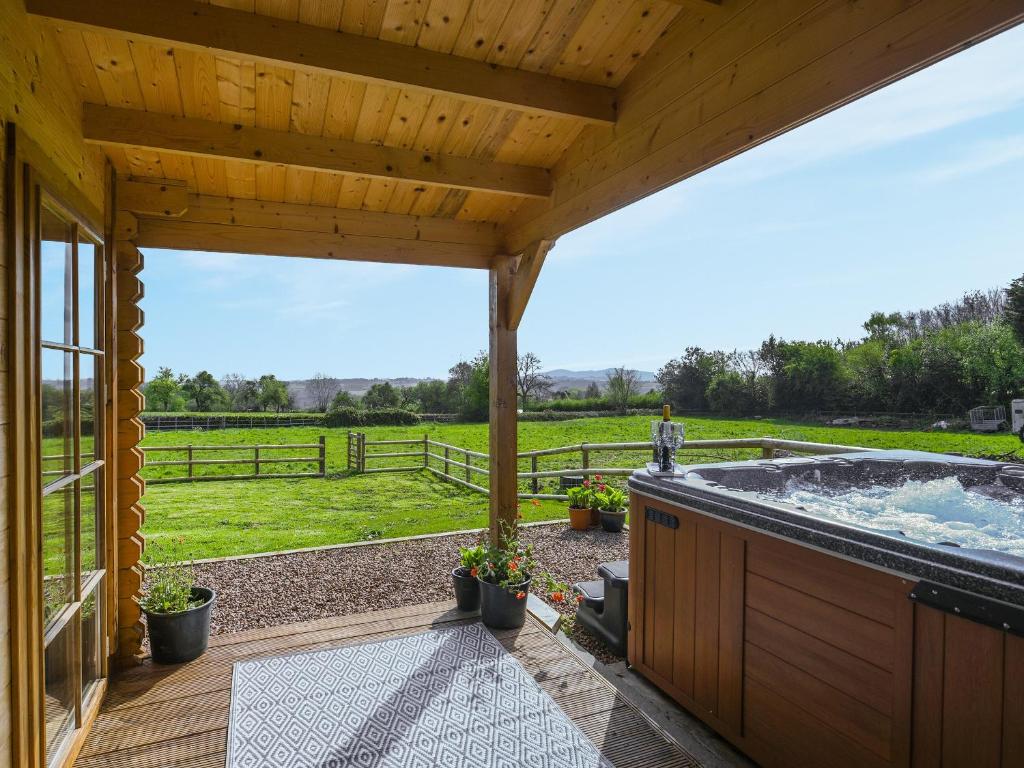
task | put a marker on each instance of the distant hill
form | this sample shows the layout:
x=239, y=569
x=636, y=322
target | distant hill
x=570, y=380
x=303, y=399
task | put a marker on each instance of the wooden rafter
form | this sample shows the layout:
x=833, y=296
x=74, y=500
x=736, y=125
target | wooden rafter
x=112, y=126
x=152, y=198
x=283, y=229
x=228, y=32
x=524, y=279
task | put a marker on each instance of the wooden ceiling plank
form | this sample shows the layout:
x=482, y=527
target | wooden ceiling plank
x=441, y=24
x=149, y=198
x=638, y=29
x=115, y=70
x=353, y=191
x=80, y=65
x=701, y=4
x=227, y=32
x=229, y=238
x=403, y=20
x=363, y=18
x=558, y=28
x=208, y=139
x=320, y=13
x=514, y=36
x=158, y=78
x=480, y=28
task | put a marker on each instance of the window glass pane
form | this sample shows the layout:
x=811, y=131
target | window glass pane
x=86, y=293
x=55, y=277
x=92, y=545
x=91, y=640
x=57, y=442
x=60, y=693
x=88, y=368
x=58, y=550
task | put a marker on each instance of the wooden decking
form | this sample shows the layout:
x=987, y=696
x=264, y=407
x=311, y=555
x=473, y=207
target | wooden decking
x=155, y=717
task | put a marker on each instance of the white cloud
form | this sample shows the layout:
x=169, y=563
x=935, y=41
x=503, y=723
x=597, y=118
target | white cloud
x=956, y=90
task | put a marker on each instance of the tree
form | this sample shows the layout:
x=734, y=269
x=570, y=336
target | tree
x=623, y=386
x=382, y=395
x=163, y=393
x=529, y=378
x=246, y=396
x=343, y=399
x=1015, y=307
x=431, y=396
x=685, y=380
x=323, y=388
x=593, y=391
x=204, y=391
x=273, y=394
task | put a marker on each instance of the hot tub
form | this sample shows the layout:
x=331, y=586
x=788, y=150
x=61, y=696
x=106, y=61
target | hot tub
x=859, y=609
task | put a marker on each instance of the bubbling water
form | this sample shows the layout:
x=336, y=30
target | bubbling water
x=932, y=511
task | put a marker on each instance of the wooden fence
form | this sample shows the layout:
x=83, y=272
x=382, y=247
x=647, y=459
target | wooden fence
x=259, y=460
x=463, y=466
x=170, y=422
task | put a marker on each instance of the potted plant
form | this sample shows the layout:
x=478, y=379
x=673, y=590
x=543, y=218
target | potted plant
x=580, y=503
x=177, y=611
x=505, y=576
x=611, y=503
x=467, y=588
x=595, y=515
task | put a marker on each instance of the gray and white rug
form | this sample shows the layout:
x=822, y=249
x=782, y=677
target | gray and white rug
x=448, y=698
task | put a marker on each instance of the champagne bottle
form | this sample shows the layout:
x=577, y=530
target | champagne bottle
x=665, y=464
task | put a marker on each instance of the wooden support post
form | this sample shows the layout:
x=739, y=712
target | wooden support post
x=190, y=458
x=767, y=452
x=447, y=466
x=586, y=459
x=323, y=455
x=469, y=472
x=534, y=481
x=256, y=460
x=503, y=447
x=362, y=452
x=426, y=450
x=348, y=451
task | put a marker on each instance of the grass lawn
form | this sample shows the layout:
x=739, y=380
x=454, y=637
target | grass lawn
x=241, y=517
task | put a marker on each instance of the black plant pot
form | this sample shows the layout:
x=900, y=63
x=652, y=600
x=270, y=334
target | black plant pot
x=175, y=638
x=612, y=521
x=500, y=608
x=467, y=590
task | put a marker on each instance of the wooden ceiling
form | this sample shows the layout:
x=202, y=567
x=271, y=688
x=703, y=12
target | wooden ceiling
x=515, y=122
x=198, y=114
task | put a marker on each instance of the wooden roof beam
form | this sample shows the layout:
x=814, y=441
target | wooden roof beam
x=230, y=225
x=228, y=32
x=147, y=197
x=191, y=136
x=524, y=279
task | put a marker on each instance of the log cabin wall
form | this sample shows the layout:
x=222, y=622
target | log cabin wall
x=801, y=658
x=38, y=103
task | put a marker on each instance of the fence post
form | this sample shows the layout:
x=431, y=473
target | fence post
x=426, y=450
x=323, y=456
x=362, y=451
x=447, y=466
x=586, y=459
x=348, y=451
x=469, y=472
x=534, y=481
x=767, y=451
x=256, y=460
x=190, y=460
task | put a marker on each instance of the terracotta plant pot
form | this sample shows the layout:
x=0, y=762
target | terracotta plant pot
x=580, y=519
x=500, y=608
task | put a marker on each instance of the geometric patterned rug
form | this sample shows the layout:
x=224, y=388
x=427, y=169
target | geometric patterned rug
x=448, y=698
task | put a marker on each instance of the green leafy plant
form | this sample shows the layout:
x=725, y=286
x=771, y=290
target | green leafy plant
x=581, y=497
x=169, y=584
x=610, y=499
x=471, y=558
x=509, y=563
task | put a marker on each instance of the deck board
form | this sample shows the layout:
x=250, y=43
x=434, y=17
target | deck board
x=178, y=716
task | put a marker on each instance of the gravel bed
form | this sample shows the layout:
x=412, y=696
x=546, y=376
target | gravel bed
x=281, y=589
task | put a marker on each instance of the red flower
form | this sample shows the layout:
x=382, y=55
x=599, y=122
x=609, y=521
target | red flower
x=586, y=483
x=602, y=487
x=513, y=566
x=535, y=502
x=557, y=597
x=579, y=598
x=520, y=595
x=598, y=478
x=473, y=572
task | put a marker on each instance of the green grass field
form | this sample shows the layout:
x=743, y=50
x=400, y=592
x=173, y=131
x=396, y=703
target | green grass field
x=241, y=517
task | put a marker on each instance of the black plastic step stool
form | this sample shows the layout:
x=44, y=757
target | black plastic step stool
x=603, y=610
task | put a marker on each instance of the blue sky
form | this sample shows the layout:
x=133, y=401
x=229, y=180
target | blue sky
x=904, y=199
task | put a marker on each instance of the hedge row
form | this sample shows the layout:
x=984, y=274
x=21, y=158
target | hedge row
x=381, y=417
